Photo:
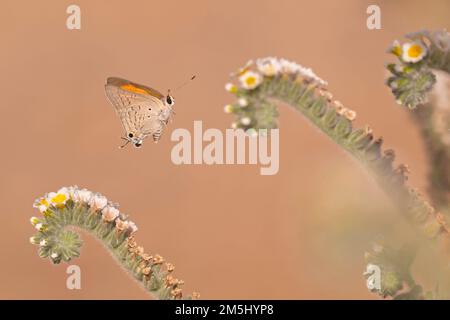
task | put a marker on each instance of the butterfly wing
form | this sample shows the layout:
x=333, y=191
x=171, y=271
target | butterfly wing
x=129, y=90
x=140, y=108
x=141, y=119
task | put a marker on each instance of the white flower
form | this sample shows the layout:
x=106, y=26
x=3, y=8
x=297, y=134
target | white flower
x=121, y=225
x=33, y=240
x=132, y=226
x=309, y=74
x=41, y=204
x=82, y=195
x=69, y=190
x=234, y=125
x=268, y=66
x=289, y=67
x=231, y=88
x=413, y=52
x=350, y=114
x=54, y=255
x=243, y=102
x=58, y=199
x=326, y=94
x=250, y=80
x=228, y=108
x=43, y=243
x=110, y=213
x=39, y=226
x=339, y=107
x=98, y=202
x=34, y=221
x=246, y=121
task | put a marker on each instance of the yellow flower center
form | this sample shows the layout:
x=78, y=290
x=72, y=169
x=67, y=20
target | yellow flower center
x=231, y=88
x=59, y=198
x=415, y=51
x=44, y=202
x=250, y=81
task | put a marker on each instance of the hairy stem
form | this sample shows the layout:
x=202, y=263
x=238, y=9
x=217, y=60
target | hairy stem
x=316, y=104
x=420, y=81
x=433, y=120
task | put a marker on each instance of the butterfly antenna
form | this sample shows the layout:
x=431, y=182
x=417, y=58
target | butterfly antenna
x=123, y=146
x=184, y=83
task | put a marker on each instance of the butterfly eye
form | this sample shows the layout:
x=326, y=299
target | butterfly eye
x=130, y=135
x=169, y=100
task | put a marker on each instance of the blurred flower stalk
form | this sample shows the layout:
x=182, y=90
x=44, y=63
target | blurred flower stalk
x=262, y=83
x=422, y=61
x=80, y=208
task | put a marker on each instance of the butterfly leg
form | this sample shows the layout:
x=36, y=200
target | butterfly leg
x=127, y=142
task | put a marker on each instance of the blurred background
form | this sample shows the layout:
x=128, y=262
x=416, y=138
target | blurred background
x=231, y=233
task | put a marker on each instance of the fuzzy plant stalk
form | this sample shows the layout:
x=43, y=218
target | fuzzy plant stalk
x=267, y=81
x=420, y=81
x=72, y=208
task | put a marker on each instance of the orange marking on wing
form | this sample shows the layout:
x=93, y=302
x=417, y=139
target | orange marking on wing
x=131, y=88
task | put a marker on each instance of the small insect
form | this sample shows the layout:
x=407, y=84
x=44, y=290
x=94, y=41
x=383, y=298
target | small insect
x=143, y=111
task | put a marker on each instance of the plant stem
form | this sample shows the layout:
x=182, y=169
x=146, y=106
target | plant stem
x=433, y=120
x=312, y=102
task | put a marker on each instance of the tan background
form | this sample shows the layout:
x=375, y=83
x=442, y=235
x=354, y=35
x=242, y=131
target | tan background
x=230, y=232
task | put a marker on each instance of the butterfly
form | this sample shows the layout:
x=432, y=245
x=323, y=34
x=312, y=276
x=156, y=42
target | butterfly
x=143, y=111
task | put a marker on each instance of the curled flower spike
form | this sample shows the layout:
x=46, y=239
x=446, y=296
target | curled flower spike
x=81, y=208
x=424, y=63
x=305, y=92
x=265, y=71
x=412, y=77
